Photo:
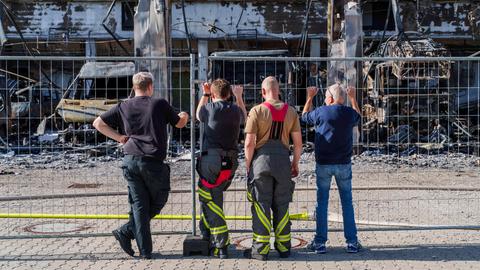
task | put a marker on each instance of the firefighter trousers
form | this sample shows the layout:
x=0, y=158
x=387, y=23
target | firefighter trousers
x=213, y=225
x=270, y=190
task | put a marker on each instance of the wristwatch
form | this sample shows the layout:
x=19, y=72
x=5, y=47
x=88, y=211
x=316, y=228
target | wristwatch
x=207, y=95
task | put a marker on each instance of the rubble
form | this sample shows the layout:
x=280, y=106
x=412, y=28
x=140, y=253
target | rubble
x=447, y=161
x=403, y=134
x=59, y=156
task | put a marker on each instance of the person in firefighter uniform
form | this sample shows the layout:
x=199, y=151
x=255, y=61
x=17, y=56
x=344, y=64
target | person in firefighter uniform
x=269, y=128
x=217, y=164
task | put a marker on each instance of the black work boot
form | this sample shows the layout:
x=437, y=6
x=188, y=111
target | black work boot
x=125, y=242
x=284, y=255
x=250, y=255
x=146, y=257
x=221, y=253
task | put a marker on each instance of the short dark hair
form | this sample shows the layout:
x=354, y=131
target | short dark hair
x=221, y=88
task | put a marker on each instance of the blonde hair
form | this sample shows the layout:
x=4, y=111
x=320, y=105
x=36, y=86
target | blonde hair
x=142, y=80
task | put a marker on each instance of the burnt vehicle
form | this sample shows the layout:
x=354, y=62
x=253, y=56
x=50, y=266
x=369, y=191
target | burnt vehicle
x=97, y=88
x=24, y=103
x=30, y=105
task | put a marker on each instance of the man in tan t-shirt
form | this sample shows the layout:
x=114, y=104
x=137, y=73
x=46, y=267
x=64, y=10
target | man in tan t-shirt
x=269, y=128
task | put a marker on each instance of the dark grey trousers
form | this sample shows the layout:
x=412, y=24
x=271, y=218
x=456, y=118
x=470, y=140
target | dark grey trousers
x=212, y=223
x=270, y=189
x=148, y=182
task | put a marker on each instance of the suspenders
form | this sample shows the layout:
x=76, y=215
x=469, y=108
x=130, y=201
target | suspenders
x=278, y=119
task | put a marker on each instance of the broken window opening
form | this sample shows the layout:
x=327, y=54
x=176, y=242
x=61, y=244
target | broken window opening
x=375, y=15
x=103, y=88
x=127, y=15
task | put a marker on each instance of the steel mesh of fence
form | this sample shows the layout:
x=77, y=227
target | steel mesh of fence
x=415, y=162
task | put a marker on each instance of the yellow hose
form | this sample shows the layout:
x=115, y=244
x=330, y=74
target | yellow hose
x=301, y=216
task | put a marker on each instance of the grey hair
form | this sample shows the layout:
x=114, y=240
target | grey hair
x=142, y=80
x=336, y=91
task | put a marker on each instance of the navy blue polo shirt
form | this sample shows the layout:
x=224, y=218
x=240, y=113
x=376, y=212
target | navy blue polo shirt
x=333, y=133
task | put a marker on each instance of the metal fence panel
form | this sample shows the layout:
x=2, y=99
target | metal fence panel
x=416, y=162
x=416, y=156
x=57, y=175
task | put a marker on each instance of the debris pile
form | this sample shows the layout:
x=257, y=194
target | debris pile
x=58, y=158
x=447, y=161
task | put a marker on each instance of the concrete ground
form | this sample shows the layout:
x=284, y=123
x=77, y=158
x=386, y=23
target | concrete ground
x=388, y=193
x=382, y=250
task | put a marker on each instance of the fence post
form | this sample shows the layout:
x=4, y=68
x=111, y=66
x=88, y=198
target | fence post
x=192, y=140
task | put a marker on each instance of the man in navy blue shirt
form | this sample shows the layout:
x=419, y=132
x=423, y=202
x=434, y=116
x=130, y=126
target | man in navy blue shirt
x=334, y=125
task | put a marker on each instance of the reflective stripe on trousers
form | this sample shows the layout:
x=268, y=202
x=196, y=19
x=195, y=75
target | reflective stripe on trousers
x=270, y=190
x=212, y=223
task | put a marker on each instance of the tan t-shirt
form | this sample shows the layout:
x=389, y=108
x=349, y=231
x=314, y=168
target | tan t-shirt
x=259, y=122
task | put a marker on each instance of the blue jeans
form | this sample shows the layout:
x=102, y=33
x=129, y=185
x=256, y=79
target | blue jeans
x=343, y=177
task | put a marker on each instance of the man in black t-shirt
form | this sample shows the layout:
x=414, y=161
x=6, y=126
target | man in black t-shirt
x=142, y=122
x=218, y=162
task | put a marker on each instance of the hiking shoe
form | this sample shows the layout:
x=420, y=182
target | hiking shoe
x=125, y=242
x=250, y=255
x=353, y=247
x=317, y=248
x=221, y=253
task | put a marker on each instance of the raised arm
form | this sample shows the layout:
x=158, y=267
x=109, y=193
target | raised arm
x=204, y=100
x=238, y=93
x=352, y=96
x=311, y=93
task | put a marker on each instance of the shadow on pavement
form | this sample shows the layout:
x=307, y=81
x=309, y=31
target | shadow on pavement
x=432, y=253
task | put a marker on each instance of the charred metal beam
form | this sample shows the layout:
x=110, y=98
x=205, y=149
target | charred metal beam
x=110, y=32
x=10, y=15
x=396, y=16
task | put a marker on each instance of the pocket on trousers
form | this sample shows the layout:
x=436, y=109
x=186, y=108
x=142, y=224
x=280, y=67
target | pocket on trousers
x=210, y=167
x=159, y=174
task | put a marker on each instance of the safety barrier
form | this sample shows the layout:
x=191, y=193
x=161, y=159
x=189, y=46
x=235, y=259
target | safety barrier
x=415, y=164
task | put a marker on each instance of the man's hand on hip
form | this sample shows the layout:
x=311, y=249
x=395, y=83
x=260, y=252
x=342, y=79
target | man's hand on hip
x=123, y=139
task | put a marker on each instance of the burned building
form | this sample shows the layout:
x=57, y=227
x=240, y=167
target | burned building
x=400, y=28
x=106, y=28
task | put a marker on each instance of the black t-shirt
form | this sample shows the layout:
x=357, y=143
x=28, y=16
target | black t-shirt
x=144, y=120
x=222, y=125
